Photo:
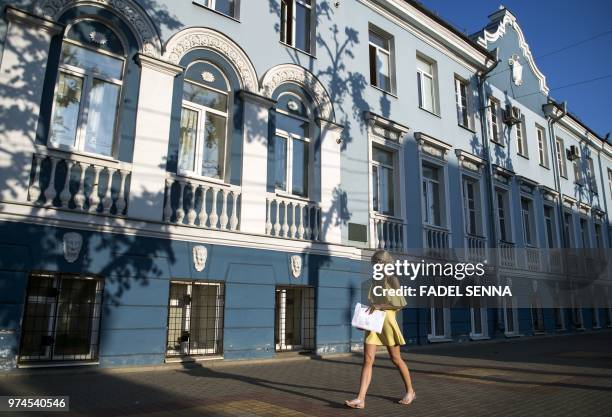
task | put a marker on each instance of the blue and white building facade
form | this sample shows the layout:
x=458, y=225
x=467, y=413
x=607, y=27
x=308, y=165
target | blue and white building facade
x=208, y=179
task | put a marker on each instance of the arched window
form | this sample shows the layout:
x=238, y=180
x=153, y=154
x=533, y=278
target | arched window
x=88, y=89
x=204, y=127
x=291, y=145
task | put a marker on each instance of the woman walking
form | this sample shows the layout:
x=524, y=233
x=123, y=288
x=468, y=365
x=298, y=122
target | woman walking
x=390, y=336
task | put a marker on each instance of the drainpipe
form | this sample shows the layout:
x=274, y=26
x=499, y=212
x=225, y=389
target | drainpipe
x=548, y=110
x=484, y=128
x=603, y=186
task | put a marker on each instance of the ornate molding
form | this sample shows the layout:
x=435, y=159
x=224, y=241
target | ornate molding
x=432, y=146
x=129, y=10
x=205, y=38
x=469, y=161
x=281, y=74
x=385, y=128
x=502, y=174
x=569, y=202
x=548, y=193
x=526, y=185
x=497, y=29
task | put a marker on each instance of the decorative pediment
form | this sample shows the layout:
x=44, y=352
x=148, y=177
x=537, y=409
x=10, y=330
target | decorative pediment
x=548, y=193
x=598, y=213
x=502, y=174
x=496, y=29
x=527, y=185
x=432, y=146
x=469, y=161
x=384, y=128
x=569, y=202
x=584, y=208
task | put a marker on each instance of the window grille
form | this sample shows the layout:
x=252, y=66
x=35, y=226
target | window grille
x=294, y=319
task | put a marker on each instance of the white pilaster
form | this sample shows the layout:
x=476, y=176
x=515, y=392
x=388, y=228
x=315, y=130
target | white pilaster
x=331, y=199
x=254, y=162
x=22, y=75
x=152, y=135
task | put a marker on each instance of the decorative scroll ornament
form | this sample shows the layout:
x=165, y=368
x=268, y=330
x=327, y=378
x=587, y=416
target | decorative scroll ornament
x=285, y=73
x=517, y=70
x=208, y=77
x=98, y=38
x=200, y=254
x=71, y=244
x=296, y=266
x=204, y=38
x=129, y=10
x=293, y=105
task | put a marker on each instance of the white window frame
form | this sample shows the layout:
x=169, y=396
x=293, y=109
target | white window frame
x=421, y=74
x=84, y=105
x=542, y=146
x=571, y=233
x=531, y=222
x=506, y=195
x=199, y=145
x=484, y=328
x=428, y=184
x=553, y=225
x=561, y=158
x=432, y=336
x=511, y=305
x=312, y=22
x=475, y=182
x=212, y=5
x=388, y=39
x=585, y=233
x=521, y=139
x=610, y=181
x=559, y=317
x=591, y=178
x=462, y=87
x=290, y=138
x=379, y=185
x=596, y=319
x=495, y=121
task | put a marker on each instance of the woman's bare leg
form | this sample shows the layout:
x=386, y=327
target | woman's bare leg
x=369, y=354
x=396, y=358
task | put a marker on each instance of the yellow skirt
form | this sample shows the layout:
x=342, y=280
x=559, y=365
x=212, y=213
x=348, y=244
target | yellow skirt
x=391, y=335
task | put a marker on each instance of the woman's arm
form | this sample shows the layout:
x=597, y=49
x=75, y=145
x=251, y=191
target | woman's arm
x=374, y=307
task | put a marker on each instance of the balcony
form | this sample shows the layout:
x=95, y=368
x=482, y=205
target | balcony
x=293, y=218
x=532, y=256
x=77, y=182
x=475, y=248
x=387, y=233
x=199, y=203
x=436, y=240
x=507, y=254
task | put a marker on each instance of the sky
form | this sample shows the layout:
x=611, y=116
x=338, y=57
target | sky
x=550, y=26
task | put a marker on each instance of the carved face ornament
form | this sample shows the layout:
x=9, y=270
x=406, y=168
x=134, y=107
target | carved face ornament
x=71, y=244
x=296, y=265
x=200, y=254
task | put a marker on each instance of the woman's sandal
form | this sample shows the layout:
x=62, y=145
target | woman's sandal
x=356, y=403
x=408, y=398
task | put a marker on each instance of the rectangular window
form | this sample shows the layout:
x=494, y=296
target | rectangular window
x=61, y=318
x=290, y=148
x=494, y=121
x=380, y=61
x=383, y=174
x=294, y=319
x=461, y=98
x=227, y=7
x=568, y=233
x=591, y=175
x=296, y=24
x=584, y=233
x=542, y=148
x=527, y=220
x=504, y=221
x=521, y=140
x=432, y=195
x=610, y=181
x=561, y=162
x=426, y=84
x=471, y=206
x=598, y=236
x=549, y=219
x=195, y=318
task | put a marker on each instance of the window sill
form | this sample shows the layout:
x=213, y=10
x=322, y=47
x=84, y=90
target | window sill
x=430, y=112
x=563, y=176
x=192, y=176
x=510, y=335
x=216, y=12
x=386, y=216
x=439, y=339
x=522, y=156
x=289, y=196
x=497, y=143
x=309, y=54
x=40, y=149
x=50, y=364
x=545, y=167
x=389, y=93
x=469, y=129
x=479, y=337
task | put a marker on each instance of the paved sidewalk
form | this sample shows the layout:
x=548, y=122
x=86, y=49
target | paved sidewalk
x=545, y=376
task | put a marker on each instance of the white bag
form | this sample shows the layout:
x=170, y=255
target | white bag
x=366, y=321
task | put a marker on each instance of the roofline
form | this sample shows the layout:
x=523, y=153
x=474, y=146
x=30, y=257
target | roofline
x=425, y=10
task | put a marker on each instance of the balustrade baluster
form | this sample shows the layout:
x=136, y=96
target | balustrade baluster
x=202, y=215
x=65, y=194
x=234, y=216
x=34, y=191
x=214, y=217
x=107, y=203
x=223, y=219
x=168, y=205
x=50, y=192
x=120, y=201
x=79, y=196
x=180, y=211
x=94, y=198
x=191, y=213
x=286, y=220
x=300, y=230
